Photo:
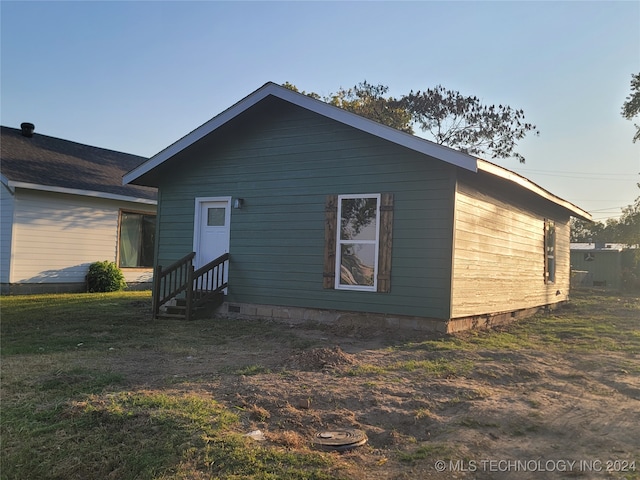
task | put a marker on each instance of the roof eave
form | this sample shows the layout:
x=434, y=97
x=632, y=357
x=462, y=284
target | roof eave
x=5, y=181
x=523, y=182
x=85, y=193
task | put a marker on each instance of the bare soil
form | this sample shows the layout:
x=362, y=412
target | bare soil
x=487, y=413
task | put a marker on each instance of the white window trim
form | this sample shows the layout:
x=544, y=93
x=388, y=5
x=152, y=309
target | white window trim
x=340, y=242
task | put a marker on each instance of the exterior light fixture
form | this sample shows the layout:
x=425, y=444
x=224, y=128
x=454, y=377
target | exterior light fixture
x=237, y=203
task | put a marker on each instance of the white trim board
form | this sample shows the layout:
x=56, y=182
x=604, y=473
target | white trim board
x=74, y=191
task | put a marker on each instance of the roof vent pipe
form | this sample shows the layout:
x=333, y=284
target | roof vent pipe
x=27, y=129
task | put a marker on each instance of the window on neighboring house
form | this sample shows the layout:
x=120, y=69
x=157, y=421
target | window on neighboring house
x=358, y=233
x=549, y=251
x=136, y=239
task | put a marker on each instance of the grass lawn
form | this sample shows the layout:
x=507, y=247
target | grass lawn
x=92, y=387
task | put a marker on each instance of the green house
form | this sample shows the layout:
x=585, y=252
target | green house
x=328, y=216
x=597, y=264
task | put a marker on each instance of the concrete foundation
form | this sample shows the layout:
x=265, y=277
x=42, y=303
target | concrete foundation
x=374, y=321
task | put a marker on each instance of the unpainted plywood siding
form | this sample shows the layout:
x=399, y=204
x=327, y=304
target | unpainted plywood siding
x=499, y=259
x=6, y=223
x=283, y=161
x=56, y=236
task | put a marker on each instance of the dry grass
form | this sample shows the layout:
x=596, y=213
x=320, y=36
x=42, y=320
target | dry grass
x=92, y=387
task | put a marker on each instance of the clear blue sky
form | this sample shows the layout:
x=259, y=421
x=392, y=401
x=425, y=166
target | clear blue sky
x=136, y=76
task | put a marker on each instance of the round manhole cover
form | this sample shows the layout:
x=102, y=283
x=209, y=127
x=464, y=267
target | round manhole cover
x=343, y=439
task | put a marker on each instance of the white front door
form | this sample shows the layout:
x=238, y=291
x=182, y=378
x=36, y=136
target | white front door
x=212, y=229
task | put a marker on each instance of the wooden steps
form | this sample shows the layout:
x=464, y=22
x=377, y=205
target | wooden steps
x=202, y=308
x=181, y=291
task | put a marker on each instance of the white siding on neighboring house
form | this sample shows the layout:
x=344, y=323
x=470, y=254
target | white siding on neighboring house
x=6, y=221
x=56, y=236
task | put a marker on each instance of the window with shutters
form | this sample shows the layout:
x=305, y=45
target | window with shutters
x=549, y=251
x=358, y=234
x=357, y=242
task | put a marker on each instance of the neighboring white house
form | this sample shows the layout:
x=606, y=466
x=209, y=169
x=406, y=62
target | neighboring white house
x=63, y=207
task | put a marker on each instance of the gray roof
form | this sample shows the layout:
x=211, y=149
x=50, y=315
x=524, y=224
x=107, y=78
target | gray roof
x=50, y=163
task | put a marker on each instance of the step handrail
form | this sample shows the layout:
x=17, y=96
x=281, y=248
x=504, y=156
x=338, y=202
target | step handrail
x=208, y=281
x=171, y=281
x=199, y=285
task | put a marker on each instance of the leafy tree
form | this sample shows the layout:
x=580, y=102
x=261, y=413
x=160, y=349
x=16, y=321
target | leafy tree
x=291, y=86
x=629, y=225
x=626, y=230
x=584, y=231
x=445, y=116
x=465, y=123
x=631, y=107
x=368, y=100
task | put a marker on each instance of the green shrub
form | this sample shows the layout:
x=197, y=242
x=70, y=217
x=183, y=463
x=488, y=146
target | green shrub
x=105, y=277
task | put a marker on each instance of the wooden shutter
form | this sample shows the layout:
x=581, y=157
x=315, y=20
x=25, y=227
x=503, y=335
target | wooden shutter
x=549, y=251
x=546, y=249
x=385, y=241
x=330, y=226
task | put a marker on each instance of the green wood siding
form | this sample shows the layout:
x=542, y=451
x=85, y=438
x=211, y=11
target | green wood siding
x=283, y=161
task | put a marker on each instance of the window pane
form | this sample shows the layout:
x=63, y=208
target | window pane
x=357, y=264
x=215, y=217
x=148, y=240
x=552, y=270
x=130, y=237
x=550, y=247
x=358, y=219
x=137, y=239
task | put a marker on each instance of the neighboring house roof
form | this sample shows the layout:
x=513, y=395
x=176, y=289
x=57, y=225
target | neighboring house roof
x=610, y=247
x=421, y=145
x=41, y=162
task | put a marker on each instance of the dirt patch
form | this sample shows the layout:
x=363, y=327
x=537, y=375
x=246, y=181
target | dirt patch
x=322, y=358
x=514, y=411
